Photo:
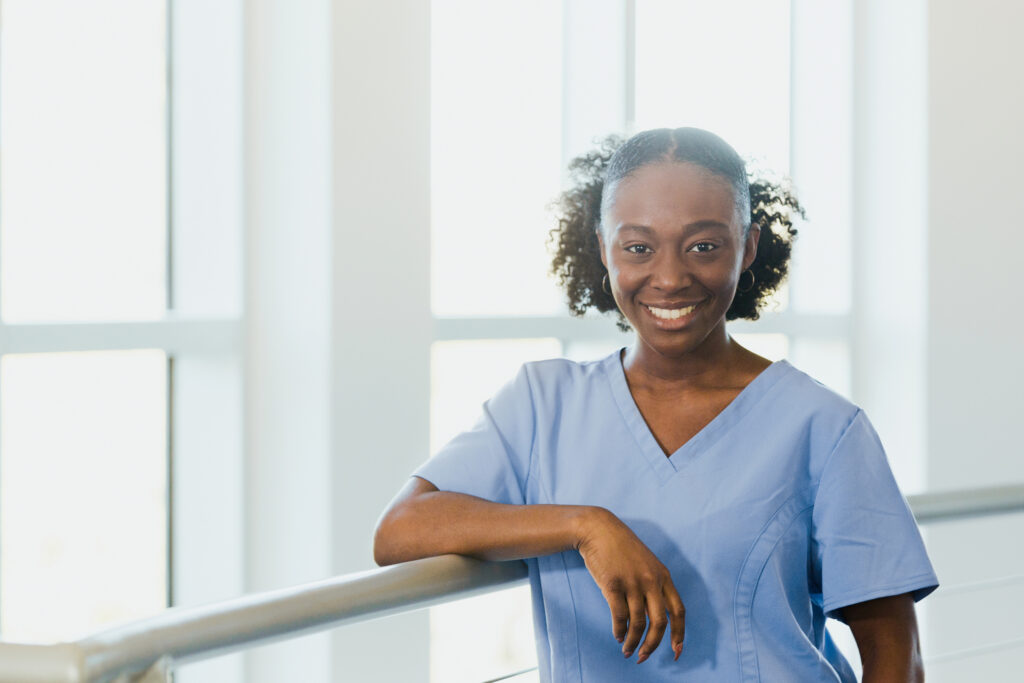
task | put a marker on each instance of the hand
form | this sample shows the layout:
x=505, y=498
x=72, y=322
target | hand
x=636, y=585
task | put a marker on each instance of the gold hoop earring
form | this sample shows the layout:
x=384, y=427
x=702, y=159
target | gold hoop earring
x=604, y=285
x=744, y=290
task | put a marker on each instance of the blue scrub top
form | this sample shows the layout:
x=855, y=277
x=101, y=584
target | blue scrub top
x=782, y=510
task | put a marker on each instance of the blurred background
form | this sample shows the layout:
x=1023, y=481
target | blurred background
x=259, y=258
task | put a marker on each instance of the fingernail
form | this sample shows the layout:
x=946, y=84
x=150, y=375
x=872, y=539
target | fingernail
x=641, y=658
x=626, y=654
x=620, y=638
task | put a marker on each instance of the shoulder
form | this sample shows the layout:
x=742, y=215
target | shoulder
x=811, y=396
x=545, y=385
x=560, y=370
x=556, y=381
x=563, y=372
x=822, y=413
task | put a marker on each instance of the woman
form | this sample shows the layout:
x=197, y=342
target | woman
x=683, y=484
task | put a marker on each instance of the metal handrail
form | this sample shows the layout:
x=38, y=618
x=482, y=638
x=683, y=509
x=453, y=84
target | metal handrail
x=966, y=503
x=148, y=648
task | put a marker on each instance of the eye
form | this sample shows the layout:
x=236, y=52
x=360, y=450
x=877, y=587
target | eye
x=704, y=247
x=638, y=249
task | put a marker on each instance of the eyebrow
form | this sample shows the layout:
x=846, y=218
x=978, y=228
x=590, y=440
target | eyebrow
x=689, y=227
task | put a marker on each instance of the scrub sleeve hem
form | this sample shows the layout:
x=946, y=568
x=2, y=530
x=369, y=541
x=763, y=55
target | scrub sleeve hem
x=920, y=585
x=429, y=479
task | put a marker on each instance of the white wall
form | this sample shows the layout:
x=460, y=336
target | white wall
x=976, y=240
x=288, y=333
x=937, y=108
x=890, y=230
x=338, y=322
x=938, y=102
x=382, y=328
x=974, y=330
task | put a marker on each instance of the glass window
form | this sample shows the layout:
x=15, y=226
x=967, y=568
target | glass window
x=723, y=66
x=496, y=154
x=83, y=492
x=83, y=191
x=771, y=346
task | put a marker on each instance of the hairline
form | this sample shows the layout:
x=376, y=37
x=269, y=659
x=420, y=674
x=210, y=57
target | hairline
x=609, y=189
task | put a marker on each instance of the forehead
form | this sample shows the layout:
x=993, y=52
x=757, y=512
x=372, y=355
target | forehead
x=671, y=195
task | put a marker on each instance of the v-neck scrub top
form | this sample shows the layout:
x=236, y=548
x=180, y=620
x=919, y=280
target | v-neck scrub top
x=782, y=510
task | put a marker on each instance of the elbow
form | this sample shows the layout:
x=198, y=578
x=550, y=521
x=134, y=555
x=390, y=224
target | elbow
x=917, y=669
x=393, y=538
x=398, y=534
x=383, y=547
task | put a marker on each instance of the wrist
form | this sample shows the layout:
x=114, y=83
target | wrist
x=585, y=519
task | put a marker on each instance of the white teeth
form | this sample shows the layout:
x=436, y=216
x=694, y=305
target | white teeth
x=671, y=313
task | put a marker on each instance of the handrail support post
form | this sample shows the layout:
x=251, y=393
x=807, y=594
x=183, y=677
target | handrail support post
x=159, y=672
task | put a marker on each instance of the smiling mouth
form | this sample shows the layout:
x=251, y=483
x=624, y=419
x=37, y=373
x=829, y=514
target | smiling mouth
x=671, y=313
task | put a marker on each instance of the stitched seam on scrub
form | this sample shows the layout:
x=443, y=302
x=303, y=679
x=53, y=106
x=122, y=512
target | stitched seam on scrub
x=835, y=447
x=533, y=468
x=739, y=575
x=743, y=602
x=904, y=586
x=575, y=650
x=533, y=433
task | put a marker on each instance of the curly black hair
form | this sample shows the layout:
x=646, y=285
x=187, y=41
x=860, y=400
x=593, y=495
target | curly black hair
x=576, y=262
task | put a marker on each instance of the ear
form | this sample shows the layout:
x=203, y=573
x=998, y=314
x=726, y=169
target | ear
x=750, y=245
x=600, y=244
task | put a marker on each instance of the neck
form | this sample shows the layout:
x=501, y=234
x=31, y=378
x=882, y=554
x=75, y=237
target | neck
x=716, y=357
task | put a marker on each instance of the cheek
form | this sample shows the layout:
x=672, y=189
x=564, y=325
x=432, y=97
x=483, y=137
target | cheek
x=725, y=278
x=717, y=274
x=625, y=276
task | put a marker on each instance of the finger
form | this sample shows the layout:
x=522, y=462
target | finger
x=619, y=609
x=637, y=622
x=676, y=617
x=658, y=621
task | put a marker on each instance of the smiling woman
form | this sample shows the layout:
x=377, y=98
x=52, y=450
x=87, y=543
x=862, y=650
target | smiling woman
x=767, y=207
x=683, y=484
x=674, y=246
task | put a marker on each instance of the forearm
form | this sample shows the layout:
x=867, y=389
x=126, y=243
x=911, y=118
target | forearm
x=441, y=522
x=887, y=637
x=897, y=668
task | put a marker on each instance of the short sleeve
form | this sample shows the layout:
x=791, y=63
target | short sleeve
x=491, y=460
x=865, y=541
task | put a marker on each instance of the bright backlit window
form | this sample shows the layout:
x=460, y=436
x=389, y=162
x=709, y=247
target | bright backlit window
x=83, y=173
x=496, y=126
x=84, y=198
x=723, y=66
x=83, y=492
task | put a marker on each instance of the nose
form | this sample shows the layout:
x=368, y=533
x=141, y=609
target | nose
x=670, y=273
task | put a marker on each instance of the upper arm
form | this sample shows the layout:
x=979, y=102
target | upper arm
x=415, y=486
x=492, y=459
x=886, y=633
x=865, y=541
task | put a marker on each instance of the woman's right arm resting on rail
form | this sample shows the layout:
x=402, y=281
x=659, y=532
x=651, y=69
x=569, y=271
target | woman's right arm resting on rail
x=422, y=521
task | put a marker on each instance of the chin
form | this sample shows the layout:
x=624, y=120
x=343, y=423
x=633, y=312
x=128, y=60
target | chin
x=676, y=343
x=671, y=348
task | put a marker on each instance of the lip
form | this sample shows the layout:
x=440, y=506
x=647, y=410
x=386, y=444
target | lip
x=677, y=323
x=671, y=305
